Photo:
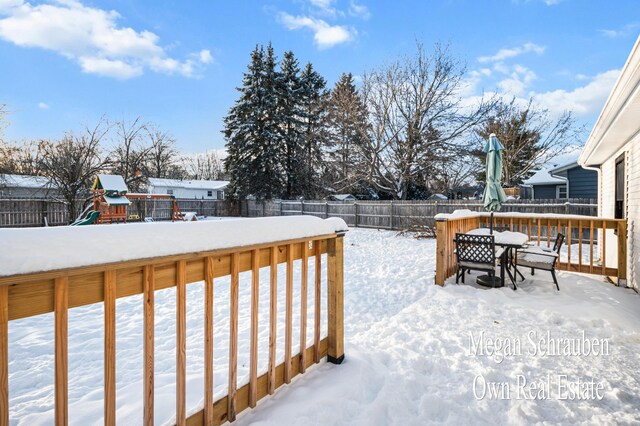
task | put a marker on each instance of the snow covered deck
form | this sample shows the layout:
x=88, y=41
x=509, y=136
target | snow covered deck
x=407, y=348
x=68, y=271
x=595, y=245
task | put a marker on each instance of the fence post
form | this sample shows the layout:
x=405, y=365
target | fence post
x=391, y=215
x=622, y=252
x=356, y=208
x=335, y=299
x=441, y=240
x=280, y=207
x=326, y=209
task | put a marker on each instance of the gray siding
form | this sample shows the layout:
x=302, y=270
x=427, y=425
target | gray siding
x=544, y=191
x=583, y=183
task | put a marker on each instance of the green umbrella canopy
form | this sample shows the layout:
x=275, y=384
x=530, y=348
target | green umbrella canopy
x=494, y=195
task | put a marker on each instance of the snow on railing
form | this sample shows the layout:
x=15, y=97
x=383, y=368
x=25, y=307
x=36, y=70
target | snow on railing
x=56, y=269
x=590, y=235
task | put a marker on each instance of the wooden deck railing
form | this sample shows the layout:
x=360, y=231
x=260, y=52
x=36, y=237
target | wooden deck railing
x=590, y=234
x=24, y=296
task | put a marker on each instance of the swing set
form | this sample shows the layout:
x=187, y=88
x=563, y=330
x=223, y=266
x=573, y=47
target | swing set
x=111, y=199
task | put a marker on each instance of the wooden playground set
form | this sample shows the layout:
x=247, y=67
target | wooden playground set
x=111, y=199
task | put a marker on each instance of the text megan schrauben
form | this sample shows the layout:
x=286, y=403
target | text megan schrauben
x=538, y=344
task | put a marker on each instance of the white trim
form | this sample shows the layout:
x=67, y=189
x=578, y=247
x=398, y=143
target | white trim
x=624, y=96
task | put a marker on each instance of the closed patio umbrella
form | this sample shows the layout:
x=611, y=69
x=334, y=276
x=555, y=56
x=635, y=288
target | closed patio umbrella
x=493, y=195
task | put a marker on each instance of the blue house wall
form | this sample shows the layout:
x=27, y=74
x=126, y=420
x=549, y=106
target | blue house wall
x=583, y=183
x=544, y=191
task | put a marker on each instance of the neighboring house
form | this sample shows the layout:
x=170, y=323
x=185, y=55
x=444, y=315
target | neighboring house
x=341, y=197
x=198, y=189
x=568, y=181
x=613, y=150
x=438, y=197
x=466, y=193
x=543, y=186
x=23, y=186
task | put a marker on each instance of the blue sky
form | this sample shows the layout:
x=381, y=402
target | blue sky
x=66, y=63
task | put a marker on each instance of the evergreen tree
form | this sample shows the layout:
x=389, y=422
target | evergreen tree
x=251, y=132
x=289, y=118
x=348, y=130
x=313, y=101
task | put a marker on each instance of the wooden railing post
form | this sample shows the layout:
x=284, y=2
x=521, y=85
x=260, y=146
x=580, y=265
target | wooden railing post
x=61, y=303
x=335, y=296
x=622, y=252
x=110, y=347
x=4, y=355
x=441, y=238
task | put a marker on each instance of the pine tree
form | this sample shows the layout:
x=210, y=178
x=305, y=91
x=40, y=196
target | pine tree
x=288, y=116
x=251, y=132
x=314, y=132
x=348, y=124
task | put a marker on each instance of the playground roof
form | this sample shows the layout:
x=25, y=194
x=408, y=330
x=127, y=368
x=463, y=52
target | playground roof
x=117, y=201
x=110, y=183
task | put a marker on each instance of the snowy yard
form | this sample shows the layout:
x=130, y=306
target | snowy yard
x=408, y=356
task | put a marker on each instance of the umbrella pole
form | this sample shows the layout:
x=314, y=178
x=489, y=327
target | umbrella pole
x=491, y=224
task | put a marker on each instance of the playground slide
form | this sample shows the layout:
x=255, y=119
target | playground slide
x=88, y=220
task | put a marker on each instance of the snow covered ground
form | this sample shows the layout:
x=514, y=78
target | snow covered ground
x=409, y=355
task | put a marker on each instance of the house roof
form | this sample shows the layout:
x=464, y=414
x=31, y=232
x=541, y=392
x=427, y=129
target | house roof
x=564, y=168
x=618, y=121
x=343, y=197
x=542, y=177
x=111, y=183
x=25, y=181
x=190, y=184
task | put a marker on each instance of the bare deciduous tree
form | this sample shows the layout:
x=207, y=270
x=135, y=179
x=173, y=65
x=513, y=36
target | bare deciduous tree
x=205, y=166
x=73, y=163
x=415, y=108
x=162, y=157
x=129, y=158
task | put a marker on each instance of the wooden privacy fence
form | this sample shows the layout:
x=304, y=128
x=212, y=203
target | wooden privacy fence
x=21, y=212
x=401, y=215
x=58, y=291
x=591, y=235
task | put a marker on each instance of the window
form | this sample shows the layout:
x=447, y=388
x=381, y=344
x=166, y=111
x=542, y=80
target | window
x=209, y=193
x=561, y=191
x=220, y=195
x=169, y=191
x=620, y=188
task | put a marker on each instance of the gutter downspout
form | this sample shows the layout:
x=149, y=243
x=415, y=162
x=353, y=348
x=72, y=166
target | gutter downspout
x=565, y=179
x=598, y=170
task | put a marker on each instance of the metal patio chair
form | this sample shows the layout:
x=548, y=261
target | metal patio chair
x=477, y=253
x=541, y=258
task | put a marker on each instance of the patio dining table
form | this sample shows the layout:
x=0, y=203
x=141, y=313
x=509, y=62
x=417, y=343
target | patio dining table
x=511, y=242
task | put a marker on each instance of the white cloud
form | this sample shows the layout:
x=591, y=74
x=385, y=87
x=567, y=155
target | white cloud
x=583, y=101
x=324, y=35
x=626, y=30
x=551, y=2
x=518, y=81
x=205, y=56
x=503, y=54
x=91, y=37
x=359, y=10
x=325, y=7
x=42, y=105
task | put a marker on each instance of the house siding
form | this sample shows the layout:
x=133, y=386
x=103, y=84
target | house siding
x=633, y=213
x=583, y=183
x=632, y=206
x=544, y=192
x=187, y=192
